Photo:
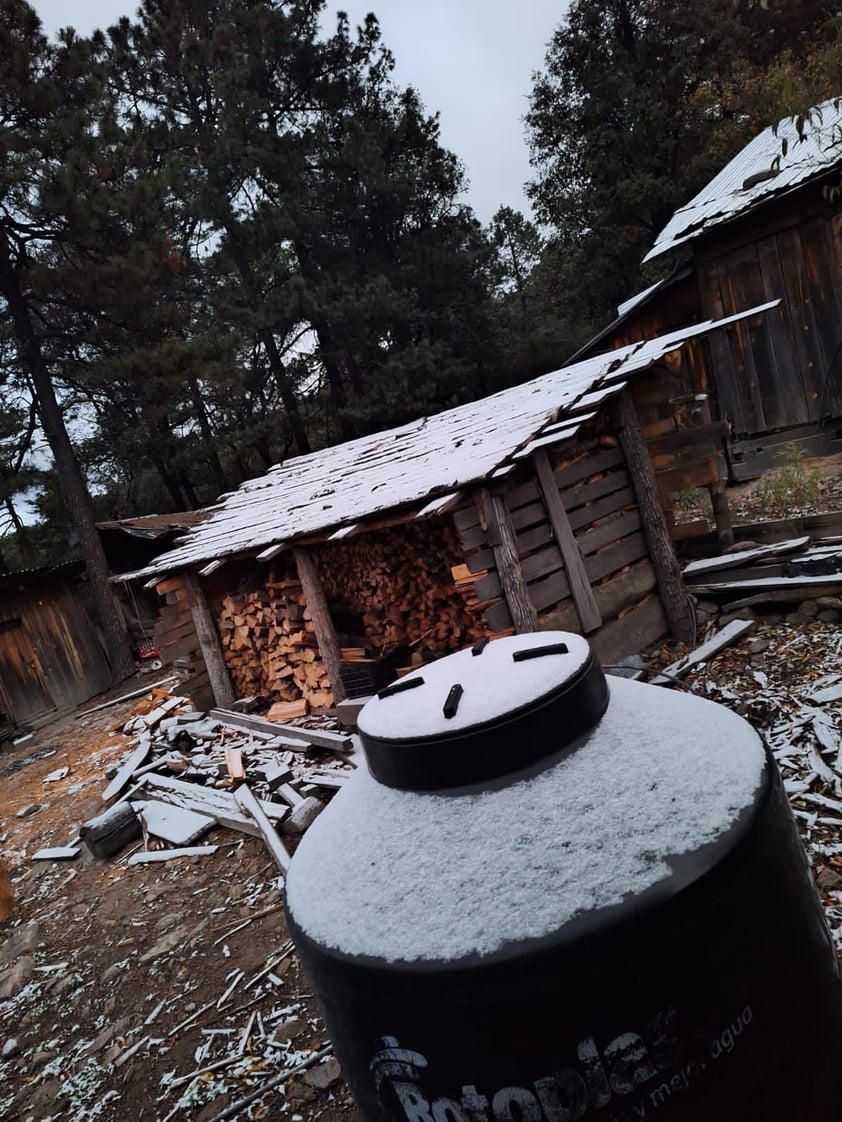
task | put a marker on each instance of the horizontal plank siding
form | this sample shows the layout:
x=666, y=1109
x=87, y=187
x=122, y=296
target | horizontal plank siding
x=644, y=625
x=615, y=557
x=619, y=526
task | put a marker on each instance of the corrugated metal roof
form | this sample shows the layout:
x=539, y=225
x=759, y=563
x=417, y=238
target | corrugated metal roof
x=726, y=196
x=436, y=455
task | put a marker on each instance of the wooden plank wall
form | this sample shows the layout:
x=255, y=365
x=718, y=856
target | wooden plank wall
x=780, y=369
x=598, y=497
x=60, y=659
x=176, y=638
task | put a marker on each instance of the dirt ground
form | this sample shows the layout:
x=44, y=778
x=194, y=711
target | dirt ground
x=123, y=955
x=759, y=500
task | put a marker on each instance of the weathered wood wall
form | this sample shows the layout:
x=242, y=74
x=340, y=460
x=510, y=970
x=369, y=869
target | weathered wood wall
x=599, y=499
x=779, y=369
x=51, y=658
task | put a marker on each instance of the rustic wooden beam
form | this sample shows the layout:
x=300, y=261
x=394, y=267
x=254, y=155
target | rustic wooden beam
x=721, y=514
x=494, y=517
x=314, y=594
x=673, y=594
x=211, y=647
x=577, y=578
x=252, y=809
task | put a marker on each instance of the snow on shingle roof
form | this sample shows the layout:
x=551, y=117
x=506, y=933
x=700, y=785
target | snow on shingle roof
x=726, y=197
x=336, y=487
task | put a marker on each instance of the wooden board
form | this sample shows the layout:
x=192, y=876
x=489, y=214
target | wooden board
x=620, y=526
x=740, y=557
x=588, y=493
x=320, y=738
x=252, y=809
x=615, y=557
x=631, y=634
x=174, y=824
x=587, y=515
x=132, y=762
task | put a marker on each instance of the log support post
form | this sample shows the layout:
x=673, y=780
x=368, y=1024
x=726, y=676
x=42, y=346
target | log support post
x=673, y=592
x=494, y=517
x=211, y=647
x=314, y=594
x=580, y=587
x=721, y=514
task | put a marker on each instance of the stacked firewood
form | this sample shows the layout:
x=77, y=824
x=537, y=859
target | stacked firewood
x=399, y=585
x=270, y=645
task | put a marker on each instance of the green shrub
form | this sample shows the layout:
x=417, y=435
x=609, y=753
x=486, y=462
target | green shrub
x=788, y=490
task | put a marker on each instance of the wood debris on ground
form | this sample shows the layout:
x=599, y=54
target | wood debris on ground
x=185, y=772
x=786, y=679
x=788, y=573
x=170, y=992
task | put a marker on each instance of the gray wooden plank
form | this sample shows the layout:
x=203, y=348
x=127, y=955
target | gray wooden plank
x=319, y=738
x=128, y=767
x=252, y=809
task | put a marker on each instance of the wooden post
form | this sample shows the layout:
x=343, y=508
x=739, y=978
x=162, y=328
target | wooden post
x=721, y=514
x=220, y=679
x=494, y=516
x=320, y=613
x=577, y=577
x=673, y=593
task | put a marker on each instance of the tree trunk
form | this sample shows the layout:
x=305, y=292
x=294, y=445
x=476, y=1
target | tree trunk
x=24, y=539
x=327, y=349
x=276, y=363
x=207, y=437
x=674, y=595
x=74, y=491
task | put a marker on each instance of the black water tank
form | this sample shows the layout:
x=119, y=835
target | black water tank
x=552, y=899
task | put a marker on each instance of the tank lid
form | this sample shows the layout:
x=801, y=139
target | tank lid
x=483, y=712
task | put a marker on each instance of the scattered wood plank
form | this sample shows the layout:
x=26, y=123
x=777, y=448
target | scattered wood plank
x=286, y=710
x=174, y=824
x=127, y=769
x=127, y=697
x=729, y=634
x=319, y=738
x=795, y=588
x=322, y=779
x=252, y=808
x=829, y=693
x=57, y=853
x=153, y=856
x=211, y=802
x=744, y=556
x=234, y=762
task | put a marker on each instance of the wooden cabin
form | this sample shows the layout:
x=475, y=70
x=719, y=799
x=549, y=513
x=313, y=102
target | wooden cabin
x=532, y=509
x=51, y=655
x=767, y=227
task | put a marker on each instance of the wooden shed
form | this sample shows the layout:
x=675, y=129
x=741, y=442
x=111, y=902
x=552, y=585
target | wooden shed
x=534, y=508
x=51, y=656
x=767, y=228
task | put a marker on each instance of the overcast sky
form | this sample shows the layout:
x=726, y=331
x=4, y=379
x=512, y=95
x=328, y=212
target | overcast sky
x=471, y=60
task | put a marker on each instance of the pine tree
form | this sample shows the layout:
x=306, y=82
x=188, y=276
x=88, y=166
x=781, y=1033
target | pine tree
x=634, y=112
x=48, y=107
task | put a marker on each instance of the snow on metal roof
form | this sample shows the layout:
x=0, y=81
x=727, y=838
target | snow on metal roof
x=767, y=171
x=434, y=456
